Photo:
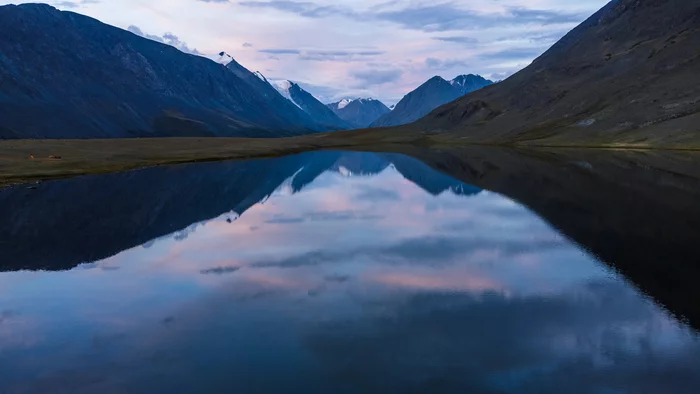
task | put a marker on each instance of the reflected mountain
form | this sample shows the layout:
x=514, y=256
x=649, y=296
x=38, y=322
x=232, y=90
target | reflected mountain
x=638, y=212
x=60, y=224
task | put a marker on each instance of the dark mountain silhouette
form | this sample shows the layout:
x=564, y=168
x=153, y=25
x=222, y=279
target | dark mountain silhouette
x=628, y=74
x=432, y=94
x=359, y=113
x=65, y=75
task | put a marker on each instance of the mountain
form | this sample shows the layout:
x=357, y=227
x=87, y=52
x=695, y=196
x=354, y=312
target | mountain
x=469, y=83
x=309, y=104
x=65, y=75
x=278, y=102
x=627, y=75
x=432, y=94
x=361, y=112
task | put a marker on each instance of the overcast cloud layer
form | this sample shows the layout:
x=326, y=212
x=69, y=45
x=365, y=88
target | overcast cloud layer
x=352, y=48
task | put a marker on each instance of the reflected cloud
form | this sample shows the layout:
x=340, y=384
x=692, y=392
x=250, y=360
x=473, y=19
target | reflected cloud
x=429, y=249
x=219, y=270
x=370, y=193
x=599, y=338
x=399, y=280
x=323, y=216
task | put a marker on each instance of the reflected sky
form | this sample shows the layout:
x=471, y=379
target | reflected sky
x=355, y=280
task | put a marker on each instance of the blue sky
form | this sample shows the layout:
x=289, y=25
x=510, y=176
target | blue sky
x=353, y=48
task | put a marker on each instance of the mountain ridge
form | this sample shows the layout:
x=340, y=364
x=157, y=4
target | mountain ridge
x=625, y=76
x=66, y=75
x=431, y=94
x=309, y=104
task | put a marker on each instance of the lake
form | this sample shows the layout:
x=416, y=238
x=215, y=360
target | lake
x=462, y=271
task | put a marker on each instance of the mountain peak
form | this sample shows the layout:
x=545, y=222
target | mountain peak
x=433, y=93
x=359, y=112
x=224, y=58
x=436, y=78
x=467, y=78
x=344, y=103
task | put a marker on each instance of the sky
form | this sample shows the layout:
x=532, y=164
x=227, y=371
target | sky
x=353, y=48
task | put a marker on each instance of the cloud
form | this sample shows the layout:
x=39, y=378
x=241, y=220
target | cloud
x=422, y=250
x=429, y=18
x=458, y=40
x=324, y=55
x=438, y=64
x=220, y=270
x=303, y=8
x=513, y=54
x=74, y=4
x=371, y=193
x=247, y=45
x=322, y=216
x=597, y=338
x=167, y=38
x=366, y=78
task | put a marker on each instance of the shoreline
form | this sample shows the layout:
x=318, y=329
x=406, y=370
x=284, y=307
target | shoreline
x=101, y=156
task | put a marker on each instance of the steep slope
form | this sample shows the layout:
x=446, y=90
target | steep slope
x=273, y=98
x=309, y=104
x=65, y=75
x=432, y=94
x=627, y=75
x=361, y=112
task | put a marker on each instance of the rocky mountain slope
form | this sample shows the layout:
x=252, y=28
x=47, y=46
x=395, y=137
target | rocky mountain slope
x=65, y=75
x=309, y=104
x=432, y=94
x=276, y=100
x=361, y=112
x=627, y=75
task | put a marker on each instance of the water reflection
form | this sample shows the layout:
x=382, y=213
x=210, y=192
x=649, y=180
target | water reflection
x=323, y=272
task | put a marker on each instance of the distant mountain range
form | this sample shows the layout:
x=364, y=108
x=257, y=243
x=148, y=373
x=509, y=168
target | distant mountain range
x=628, y=75
x=432, y=94
x=360, y=112
x=65, y=75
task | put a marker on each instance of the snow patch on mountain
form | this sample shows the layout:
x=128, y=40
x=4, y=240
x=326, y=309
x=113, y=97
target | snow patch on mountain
x=224, y=58
x=283, y=86
x=259, y=75
x=344, y=103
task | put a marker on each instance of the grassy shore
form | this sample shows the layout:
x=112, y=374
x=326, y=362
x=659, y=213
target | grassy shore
x=82, y=157
x=96, y=156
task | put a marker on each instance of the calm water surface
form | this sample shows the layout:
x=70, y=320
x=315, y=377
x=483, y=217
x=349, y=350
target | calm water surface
x=319, y=273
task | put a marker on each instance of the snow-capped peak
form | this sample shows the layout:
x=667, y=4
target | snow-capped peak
x=283, y=86
x=259, y=75
x=224, y=58
x=344, y=103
